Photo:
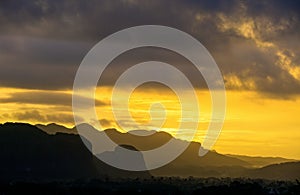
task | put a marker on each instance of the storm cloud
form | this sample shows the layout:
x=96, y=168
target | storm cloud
x=255, y=43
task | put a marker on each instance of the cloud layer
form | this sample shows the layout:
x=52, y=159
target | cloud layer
x=255, y=43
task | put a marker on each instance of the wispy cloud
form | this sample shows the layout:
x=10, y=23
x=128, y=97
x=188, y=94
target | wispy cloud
x=50, y=98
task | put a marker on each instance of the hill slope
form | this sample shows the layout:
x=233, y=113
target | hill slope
x=31, y=154
x=258, y=161
x=27, y=153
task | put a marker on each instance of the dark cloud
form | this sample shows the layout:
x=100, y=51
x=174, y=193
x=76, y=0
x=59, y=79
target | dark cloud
x=45, y=98
x=105, y=122
x=94, y=19
x=28, y=62
x=136, y=56
x=35, y=115
x=43, y=42
x=61, y=118
x=29, y=115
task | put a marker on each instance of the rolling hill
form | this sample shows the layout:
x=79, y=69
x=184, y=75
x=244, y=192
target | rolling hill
x=258, y=161
x=29, y=153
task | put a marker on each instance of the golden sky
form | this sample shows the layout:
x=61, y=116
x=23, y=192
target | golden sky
x=254, y=43
x=254, y=125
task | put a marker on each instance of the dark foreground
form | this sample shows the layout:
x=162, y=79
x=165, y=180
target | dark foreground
x=167, y=185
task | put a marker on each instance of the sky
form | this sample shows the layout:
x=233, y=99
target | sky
x=255, y=44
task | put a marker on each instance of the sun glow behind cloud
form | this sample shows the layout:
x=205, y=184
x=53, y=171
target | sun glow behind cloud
x=255, y=44
x=253, y=125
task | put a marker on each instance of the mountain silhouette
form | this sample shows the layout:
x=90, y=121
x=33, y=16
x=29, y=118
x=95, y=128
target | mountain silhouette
x=288, y=171
x=258, y=162
x=29, y=153
x=189, y=158
x=53, y=128
x=120, y=154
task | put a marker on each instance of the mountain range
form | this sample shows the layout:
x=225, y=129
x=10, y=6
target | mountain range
x=54, y=152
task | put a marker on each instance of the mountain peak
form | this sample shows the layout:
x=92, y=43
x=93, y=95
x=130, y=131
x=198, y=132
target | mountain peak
x=53, y=128
x=25, y=138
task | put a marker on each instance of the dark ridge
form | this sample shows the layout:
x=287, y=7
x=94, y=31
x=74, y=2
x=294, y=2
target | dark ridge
x=29, y=153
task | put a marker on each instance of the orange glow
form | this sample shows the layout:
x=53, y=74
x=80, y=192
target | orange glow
x=254, y=125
